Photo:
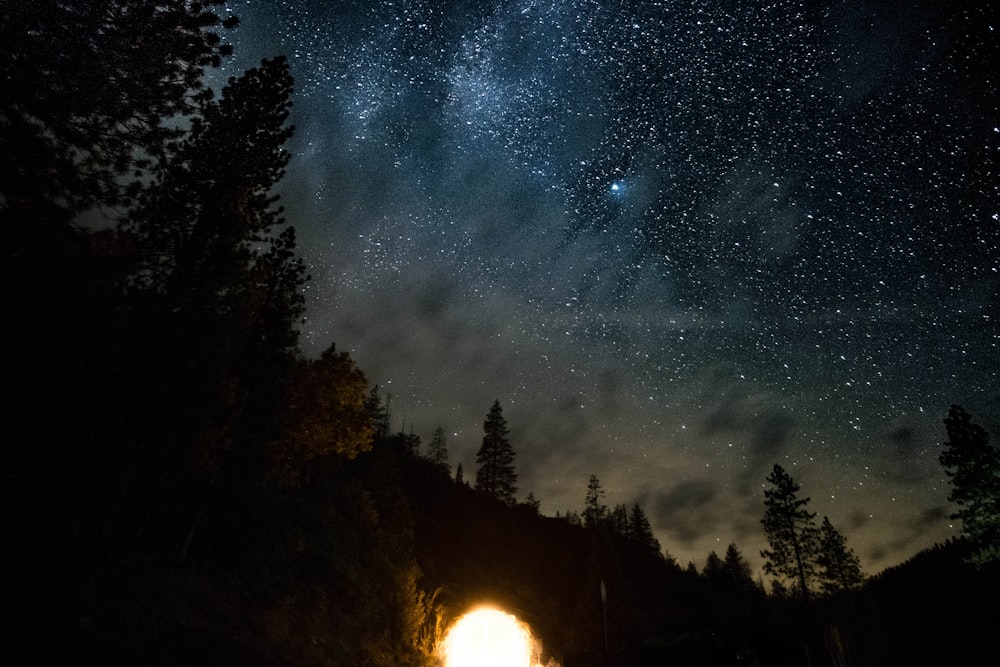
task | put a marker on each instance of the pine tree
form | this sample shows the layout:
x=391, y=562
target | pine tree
x=459, y=476
x=713, y=566
x=790, y=531
x=213, y=292
x=378, y=412
x=736, y=569
x=532, y=502
x=641, y=531
x=617, y=521
x=594, y=511
x=408, y=443
x=207, y=235
x=840, y=566
x=496, y=475
x=972, y=464
x=214, y=263
x=437, y=450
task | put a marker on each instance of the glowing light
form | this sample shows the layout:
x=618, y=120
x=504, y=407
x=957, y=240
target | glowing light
x=488, y=638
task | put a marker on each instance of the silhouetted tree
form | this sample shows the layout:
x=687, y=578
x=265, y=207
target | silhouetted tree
x=617, y=521
x=207, y=234
x=594, y=510
x=459, y=476
x=713, y=566
x=972, y=464
x=840, y=567
x=532, y=502
x=437, y=450
x=641, y=531
x=496, y=475
x=570, y=517
x=790, y=531
x=408, y=443
x=378, y=412
x=213, y=298
x=736, y=569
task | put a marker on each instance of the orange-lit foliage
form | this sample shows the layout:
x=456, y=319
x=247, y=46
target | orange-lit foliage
x=325, y=414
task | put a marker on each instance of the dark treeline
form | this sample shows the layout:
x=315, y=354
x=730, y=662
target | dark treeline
x=183, y=487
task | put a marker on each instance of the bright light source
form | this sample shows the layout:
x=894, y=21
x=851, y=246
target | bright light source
x=488, y=638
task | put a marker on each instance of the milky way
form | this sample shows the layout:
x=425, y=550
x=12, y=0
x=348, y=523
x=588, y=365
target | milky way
x=680, y=241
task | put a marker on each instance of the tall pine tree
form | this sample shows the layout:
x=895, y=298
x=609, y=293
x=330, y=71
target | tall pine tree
x=437, y=450
x=215, y=285
x=378, y=412
x=840, y=566
x=972, y=464
x=594, y=510
x=790, y=531
x=736, y=569
x=640, y=530
x=496, y=475
x=215, y=299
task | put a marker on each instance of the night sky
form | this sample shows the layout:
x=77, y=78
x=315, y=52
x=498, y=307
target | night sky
x=680, y=241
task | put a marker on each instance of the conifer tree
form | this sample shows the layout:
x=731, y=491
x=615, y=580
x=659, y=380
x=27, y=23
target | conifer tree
x=790, y=531
x=972, y=464
x=532, y=502
x=713, y=566
x=641, y=531
x=840, y=566
x=378, y=412
x=409, y=443
x=594, y=510
x=496, y=475
x=214, y=287
x=736, y=568
x=437, y=450
x=207, y=235
x=617, y=520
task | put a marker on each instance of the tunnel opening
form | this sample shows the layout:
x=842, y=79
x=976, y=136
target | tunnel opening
x=490, y=637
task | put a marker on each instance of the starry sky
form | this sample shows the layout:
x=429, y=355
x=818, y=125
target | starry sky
x=679, y=240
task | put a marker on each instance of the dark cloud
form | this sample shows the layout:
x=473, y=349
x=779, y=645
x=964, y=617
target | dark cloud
x=920, y=530
x=902, y=437
x=909, y=453
x=756, y=420
x=687, y=511
x=857, y=519
x=931, y=518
